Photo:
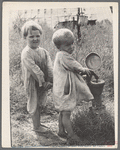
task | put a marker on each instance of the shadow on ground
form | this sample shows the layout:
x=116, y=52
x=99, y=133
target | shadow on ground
x=50, y=139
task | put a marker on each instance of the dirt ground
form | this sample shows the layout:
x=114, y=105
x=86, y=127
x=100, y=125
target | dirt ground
x=22, y=133
x=22, y=128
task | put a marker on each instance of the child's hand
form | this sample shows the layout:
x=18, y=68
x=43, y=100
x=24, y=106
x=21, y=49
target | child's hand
x=47, y=85
x=87, y=71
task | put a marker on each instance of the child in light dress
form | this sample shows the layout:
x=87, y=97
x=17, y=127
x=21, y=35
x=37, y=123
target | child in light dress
x=37, y=72
x=69, y=87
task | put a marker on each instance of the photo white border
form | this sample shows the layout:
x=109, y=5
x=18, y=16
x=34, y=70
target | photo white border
x=7, y=7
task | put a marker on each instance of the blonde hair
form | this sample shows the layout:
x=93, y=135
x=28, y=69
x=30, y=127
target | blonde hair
x=30, y=25
x=62, y=36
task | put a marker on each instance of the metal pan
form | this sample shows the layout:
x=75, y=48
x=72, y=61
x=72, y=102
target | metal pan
x=93, y=61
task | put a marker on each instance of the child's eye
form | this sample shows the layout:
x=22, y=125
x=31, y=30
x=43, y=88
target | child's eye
x=31, y=36
x=38, y=36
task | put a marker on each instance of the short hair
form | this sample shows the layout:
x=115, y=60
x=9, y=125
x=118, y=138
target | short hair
x=30, y=25
x=62, y=36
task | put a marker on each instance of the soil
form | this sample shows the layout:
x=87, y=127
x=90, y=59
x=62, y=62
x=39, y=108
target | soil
x=22, y=134
x=23, y=126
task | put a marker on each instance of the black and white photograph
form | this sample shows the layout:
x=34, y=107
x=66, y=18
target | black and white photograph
x=60, y=75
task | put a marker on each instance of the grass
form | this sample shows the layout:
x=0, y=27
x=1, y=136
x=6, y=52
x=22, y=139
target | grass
x=97, y=129
x=91, y=128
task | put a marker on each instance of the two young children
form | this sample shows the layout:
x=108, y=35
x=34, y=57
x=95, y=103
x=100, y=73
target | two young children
x=68, y=85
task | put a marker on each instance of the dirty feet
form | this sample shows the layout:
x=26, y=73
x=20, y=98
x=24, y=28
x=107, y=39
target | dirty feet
x=41, y=129
x=74, y=140
x=63, y=134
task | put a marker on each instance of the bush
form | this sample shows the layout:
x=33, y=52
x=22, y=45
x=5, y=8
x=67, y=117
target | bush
x=97, y=128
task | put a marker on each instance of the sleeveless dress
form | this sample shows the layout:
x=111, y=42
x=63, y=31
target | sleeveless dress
x=69, y=88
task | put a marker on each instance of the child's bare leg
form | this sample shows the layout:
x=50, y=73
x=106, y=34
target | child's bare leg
x=61, y=128
x=72, y=137
x=67, y=123
x=61, y=132
x=36, y=121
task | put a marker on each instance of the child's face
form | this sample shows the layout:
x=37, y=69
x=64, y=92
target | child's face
x=68, y=48
x=33, y=38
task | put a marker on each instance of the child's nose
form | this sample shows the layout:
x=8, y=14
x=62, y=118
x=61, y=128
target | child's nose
x=73, y=46
x=35, y=38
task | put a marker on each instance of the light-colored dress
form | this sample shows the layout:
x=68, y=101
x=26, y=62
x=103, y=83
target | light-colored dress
x=36, y=69
x=69, y=88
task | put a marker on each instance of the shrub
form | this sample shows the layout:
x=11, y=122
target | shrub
x=97, y=128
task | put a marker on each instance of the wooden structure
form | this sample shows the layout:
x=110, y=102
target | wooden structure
x=91, y=22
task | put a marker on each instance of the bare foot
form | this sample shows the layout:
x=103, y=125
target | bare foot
x=74, y=140
x=41, y=129
x=62, y=134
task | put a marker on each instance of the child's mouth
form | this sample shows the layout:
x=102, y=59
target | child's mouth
x=35, y=42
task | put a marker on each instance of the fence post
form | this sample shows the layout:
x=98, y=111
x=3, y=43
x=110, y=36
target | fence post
x=73, y=22
x=78, y=24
